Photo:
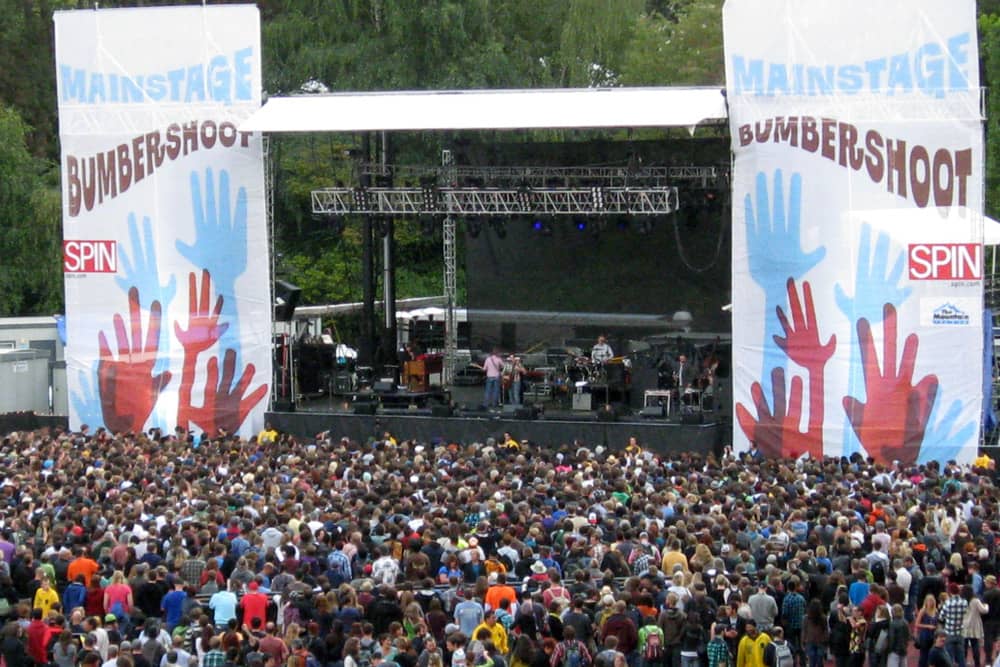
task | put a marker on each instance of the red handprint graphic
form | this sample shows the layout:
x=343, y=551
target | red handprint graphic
x=777, y=433
x=203, y=326
x=890, y=424
x=225, y=406
x=128, y=388
x=801, y=341
x=202, y=333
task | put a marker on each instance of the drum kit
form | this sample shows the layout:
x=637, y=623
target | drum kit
x=614, y=371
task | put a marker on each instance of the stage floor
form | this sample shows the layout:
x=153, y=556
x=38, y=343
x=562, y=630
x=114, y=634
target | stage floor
x=553, y=428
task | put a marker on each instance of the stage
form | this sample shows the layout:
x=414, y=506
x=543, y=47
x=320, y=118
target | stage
x=662, y=436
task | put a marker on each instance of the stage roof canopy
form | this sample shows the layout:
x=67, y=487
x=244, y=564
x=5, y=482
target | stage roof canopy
x=490, y=109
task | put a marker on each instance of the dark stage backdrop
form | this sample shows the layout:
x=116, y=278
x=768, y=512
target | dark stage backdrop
x=603, y=268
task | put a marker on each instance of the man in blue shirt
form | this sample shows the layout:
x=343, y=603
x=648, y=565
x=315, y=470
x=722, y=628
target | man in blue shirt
x=223, y=603
x=468, y=614
x=172, y=604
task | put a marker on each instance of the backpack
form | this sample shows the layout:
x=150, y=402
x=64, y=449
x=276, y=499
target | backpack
x=653, y=650
x=878, y=571
x=560, y=595
x=153, y=651
x=297, y=660
x=783, y=655
x=365, y=652
x=573, y=654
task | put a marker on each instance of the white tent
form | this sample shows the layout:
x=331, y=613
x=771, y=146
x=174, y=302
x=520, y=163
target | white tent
x=490, y=109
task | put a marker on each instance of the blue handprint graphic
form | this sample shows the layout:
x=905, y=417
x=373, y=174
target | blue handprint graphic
x=938, y=445
x=875, y=285
x=774, y=246
x=220, y=245
x=139, y=269
x=87, y=403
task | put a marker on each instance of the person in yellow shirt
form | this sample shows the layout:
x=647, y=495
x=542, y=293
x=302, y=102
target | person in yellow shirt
x=496, y=630
x=983, y=462
x=673, y=555
x=750, y=652
x=45, y=597
x=268, y=434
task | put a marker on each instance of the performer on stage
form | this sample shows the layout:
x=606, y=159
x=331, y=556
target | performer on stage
x=513, y=373
x=601, y=351
x=493, y=367
x=684, y=374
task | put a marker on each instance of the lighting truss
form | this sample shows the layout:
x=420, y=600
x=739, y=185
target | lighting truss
x=496, y=201
x=539, y=177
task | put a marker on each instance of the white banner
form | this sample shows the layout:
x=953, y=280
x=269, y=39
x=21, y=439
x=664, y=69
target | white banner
x=168, y=319
x=857, y=228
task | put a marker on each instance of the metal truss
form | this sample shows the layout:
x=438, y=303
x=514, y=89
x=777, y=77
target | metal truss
x=540, y=177
x=489, y=201
x=449, y=246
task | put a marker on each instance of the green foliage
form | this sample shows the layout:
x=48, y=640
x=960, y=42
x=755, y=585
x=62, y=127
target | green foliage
x=989, y=54
x=30, y=278
x=378, y=45
x=683, y=50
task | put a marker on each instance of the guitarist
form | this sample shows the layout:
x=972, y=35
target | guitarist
x=493, y=365
x=513, y=373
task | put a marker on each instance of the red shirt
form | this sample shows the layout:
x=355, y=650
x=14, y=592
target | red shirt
x=38, y=641
x=870, y=604
x=254, y=606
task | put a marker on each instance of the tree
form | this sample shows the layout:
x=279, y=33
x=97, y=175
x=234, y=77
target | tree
x=30, y=212
x=683, y=50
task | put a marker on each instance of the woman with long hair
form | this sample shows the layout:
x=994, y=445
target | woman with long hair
x=815, y=633
x=118, y=596
x=925, y=624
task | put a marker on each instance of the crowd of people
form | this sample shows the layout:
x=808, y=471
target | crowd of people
x=165, y=550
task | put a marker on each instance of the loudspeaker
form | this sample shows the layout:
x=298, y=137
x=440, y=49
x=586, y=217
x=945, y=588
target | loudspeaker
x=692, y=418
x=366, y=408
x=652, y=412
x=441, y=411
x=383, y=387
x=607, y=414
x=283, y=405
x=286, y=297
x=522, y=412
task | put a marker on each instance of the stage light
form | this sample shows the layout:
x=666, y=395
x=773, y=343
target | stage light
x=542, y=227
x=645, y=226
x=428, y=226
x=581, y=225
x=360, y=199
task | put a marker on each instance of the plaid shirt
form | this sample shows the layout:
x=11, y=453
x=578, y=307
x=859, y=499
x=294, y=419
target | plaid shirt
x=793, y=611
x=214, y=658
x=191, y=570
x=952, y=615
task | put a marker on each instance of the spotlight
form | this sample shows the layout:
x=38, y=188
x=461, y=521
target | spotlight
x=645, y=226
x=542, y=227
x=622, y=223
x=361, y=199
x=430, y=197
x=473, y=226
x=428, y=226
x=382, y=225
x=581, y=225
